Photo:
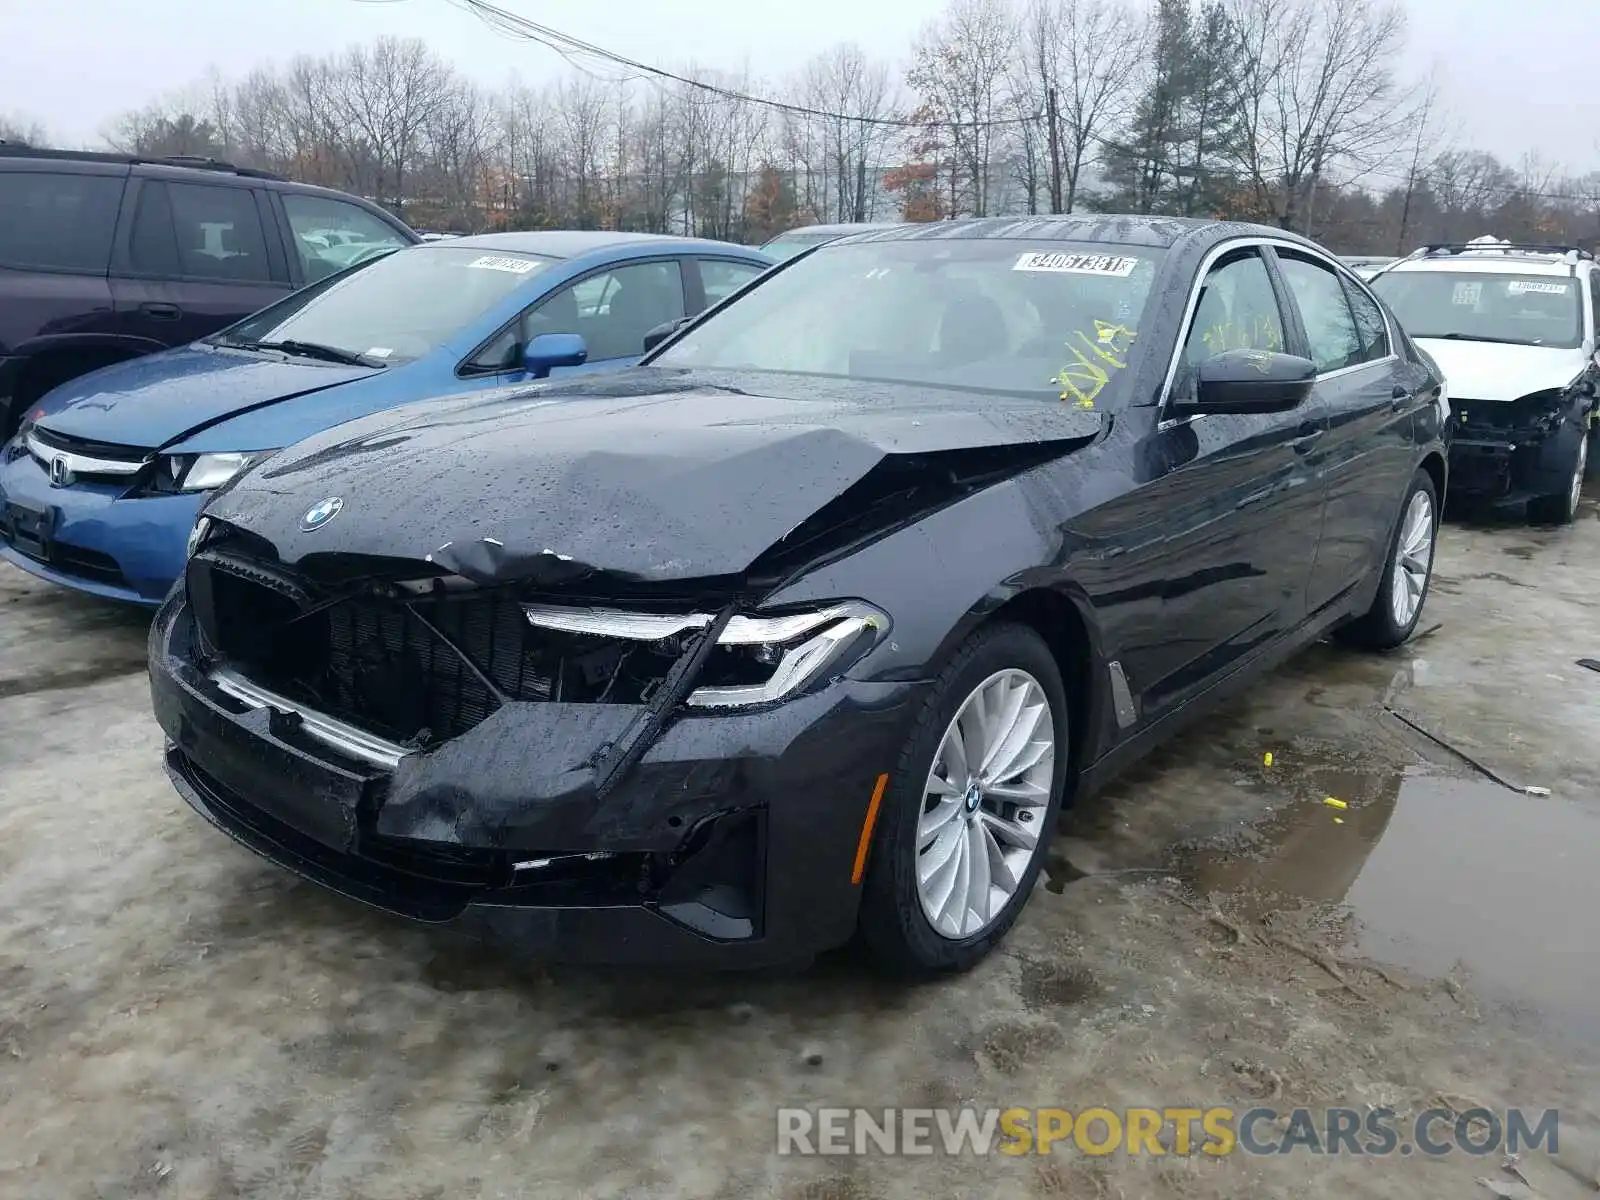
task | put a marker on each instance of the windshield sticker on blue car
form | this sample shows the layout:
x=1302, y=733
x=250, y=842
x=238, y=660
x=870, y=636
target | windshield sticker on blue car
x=499, y=262
x=1116, y=265
x=1523, y=287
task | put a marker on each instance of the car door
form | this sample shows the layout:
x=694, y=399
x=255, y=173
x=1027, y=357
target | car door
x=195, y=257
x=1230, y=503
x=1370, y=396
x=611, y=308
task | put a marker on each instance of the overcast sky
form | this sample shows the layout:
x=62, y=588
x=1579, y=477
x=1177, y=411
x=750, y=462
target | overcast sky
x=1518, y=77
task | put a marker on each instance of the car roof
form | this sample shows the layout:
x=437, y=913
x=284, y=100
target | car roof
x=811, y=231
x=571, y=243
x=1493, y=263
x=1115, y=228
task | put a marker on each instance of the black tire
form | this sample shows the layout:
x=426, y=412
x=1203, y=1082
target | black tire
x=1378, y=629
x=1562, y=508
x=892, y=926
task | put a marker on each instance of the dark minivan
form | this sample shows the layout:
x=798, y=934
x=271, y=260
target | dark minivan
x=105, y=257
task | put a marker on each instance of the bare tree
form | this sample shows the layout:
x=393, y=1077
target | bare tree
x=1080, y=57
x=386, y=94
x=1317, y=93
x=959, y=69
x=22, y=129
x=462, y=134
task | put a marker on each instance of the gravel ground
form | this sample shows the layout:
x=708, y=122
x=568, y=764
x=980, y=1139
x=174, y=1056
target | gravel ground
x=180, y=1019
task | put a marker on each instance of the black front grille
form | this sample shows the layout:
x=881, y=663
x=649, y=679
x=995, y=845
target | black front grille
x=387, y=668
x=410, y=668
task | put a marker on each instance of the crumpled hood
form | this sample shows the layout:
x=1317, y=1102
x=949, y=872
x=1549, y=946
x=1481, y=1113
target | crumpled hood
x=156, y=400
x=647, y=474
x=1492, y=371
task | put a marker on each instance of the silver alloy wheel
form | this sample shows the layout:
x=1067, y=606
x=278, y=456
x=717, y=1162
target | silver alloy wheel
x=983, y=806
x=1413, y=555
x=1577, y=476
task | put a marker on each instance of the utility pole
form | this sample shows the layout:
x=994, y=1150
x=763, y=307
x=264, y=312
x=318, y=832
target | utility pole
x=1053, y=125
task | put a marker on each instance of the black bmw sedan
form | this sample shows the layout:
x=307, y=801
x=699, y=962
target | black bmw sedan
x=806, y=629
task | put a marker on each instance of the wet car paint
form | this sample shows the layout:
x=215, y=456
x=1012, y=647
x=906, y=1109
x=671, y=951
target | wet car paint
x=116, y=538
x=1186, y=552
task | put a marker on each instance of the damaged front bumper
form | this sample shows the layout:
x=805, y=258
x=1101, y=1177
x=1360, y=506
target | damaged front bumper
x=1510, y=451
x=729, y=841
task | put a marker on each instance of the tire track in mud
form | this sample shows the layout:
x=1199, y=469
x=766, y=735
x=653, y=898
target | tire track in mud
x=71, y=677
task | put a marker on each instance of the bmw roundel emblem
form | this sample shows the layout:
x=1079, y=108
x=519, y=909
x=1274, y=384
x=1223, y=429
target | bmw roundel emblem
x=320, y=513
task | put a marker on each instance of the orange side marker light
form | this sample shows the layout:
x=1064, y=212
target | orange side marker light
x=866, y=829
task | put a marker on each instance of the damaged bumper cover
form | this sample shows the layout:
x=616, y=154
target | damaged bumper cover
x=729, y=839
x=1507, y=451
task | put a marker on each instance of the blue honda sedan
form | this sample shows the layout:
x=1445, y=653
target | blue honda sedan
x=100, y=488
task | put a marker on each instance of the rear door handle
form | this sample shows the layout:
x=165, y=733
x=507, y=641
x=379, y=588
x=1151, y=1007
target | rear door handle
x=1399, y=397
x=161, y=312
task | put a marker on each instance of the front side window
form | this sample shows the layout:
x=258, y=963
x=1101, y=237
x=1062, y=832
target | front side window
x=58, y=222
x=394, y=309
x=1486, y=306
x=330, y=235
x=612, y=311
x=1324, y=311
x=1237, y=310
x=1052, y=320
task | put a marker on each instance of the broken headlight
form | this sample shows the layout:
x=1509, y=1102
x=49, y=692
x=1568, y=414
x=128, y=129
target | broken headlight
x=757, y=659
x=202, y=472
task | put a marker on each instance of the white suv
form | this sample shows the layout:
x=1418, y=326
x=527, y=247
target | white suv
x=1513, y=327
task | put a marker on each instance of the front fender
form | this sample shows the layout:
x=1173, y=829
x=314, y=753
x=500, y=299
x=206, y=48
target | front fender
x=939, y=578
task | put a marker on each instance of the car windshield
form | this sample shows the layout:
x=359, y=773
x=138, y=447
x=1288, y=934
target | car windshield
x=394, y=309
x=1048, y=319
x=1523, y=310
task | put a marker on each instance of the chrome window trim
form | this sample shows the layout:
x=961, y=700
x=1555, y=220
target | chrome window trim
x=80, y=464
x=1245, y=242
x=330, y=731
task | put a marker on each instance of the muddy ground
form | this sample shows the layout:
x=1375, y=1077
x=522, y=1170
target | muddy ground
x=179, y=1019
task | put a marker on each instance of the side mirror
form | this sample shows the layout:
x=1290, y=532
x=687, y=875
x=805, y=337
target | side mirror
x=1251, y=381
x=662, y=332
x=551, y=350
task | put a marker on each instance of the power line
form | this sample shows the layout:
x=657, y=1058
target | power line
x=568, y=46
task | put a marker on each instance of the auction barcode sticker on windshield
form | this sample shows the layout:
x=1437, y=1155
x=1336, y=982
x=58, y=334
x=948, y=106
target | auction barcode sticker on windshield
x=499, y=262
x=1118, y=265
x=1522, y=287
x=1466, y=293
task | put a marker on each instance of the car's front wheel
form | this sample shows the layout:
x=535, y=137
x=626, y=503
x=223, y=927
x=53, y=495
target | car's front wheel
x=1561, y=508
x=970, y=807
x=1407, y=572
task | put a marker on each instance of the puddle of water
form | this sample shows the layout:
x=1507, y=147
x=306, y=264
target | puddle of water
x=1438, y=871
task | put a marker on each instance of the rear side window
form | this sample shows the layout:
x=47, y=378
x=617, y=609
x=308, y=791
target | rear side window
x=58, y=222
x=330, y=235
x=722, y=277
x=1370, y=327
x=1324, y=311
x=197, y=231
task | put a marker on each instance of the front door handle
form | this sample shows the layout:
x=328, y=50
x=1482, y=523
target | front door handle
x=1307, y=437
x=161, y=312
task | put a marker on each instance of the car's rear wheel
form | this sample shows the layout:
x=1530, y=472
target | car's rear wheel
x=970, y=807
x=1407, y=573
x=1561, y=508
